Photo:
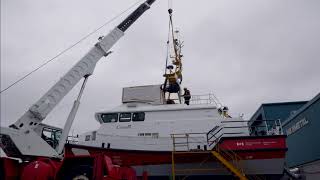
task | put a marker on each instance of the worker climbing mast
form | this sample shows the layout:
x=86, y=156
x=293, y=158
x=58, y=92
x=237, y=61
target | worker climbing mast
x=173, y=71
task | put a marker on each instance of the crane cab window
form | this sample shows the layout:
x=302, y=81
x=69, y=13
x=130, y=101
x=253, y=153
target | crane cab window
x=107, y=118
x=138, y=116
x=125, y=117
x=51, y=136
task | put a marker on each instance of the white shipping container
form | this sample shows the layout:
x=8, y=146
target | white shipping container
x=148, y=94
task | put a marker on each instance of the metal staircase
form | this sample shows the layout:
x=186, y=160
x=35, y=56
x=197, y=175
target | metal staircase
x=230, y=166
x=201, y=147
x=183, y=143
x=228, y=158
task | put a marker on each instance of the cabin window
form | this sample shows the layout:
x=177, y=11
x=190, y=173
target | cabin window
x=138, y=116
x=147, y=134
x=125, y=117
x=155, y=135
x=107, y=118
x=140, y=134
x=94, y=135
x=87, y=138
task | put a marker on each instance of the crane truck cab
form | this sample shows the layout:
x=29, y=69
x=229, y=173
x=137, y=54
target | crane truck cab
x=50, y=134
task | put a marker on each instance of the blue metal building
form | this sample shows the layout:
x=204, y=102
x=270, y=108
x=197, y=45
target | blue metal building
x=301, y=123
x=303, y=141
x=272, y=111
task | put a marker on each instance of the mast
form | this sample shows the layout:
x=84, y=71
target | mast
x=173, y=72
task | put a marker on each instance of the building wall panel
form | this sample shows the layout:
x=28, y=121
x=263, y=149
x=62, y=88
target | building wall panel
x=304, y=139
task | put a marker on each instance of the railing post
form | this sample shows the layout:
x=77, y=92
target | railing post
x=281, y=129
x=188, y=141
x=173, y=166
x=265, y=122
x=207, y=139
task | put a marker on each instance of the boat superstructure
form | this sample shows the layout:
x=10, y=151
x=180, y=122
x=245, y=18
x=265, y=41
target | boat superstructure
x=150, y=125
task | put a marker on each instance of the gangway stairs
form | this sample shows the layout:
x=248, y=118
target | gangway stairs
x=234, y=166
x=230, y=166
x=182, y=144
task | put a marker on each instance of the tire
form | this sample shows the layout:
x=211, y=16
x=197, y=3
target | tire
x=80, y=172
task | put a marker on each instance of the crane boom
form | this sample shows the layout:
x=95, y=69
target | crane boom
x=85, y=67
x=23, y=138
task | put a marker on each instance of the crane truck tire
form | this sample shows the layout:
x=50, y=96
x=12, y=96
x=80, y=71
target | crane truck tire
x=81, y=177
x=81, y=172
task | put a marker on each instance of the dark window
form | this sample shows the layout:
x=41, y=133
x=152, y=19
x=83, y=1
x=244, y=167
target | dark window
x=138, y=116
x=107, y=118
x=51, y=136
x=87, y=138
x=125, y=117
x=155, y=135
x=94, y=135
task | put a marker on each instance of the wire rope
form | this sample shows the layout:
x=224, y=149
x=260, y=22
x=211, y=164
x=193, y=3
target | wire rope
x=168, y=50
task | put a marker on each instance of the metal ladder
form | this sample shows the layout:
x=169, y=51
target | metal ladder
x=222, y=155
x=183, y=140
x=233, y=166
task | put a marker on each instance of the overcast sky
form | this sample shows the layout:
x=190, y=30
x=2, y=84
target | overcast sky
x=247, y=52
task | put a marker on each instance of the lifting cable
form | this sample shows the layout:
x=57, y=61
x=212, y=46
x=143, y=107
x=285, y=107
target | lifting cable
x=168, y=40
x=168, y=44
x=170, y=32
x=72, y=46
x=168, y=50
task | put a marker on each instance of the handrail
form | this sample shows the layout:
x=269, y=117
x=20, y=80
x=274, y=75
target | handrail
x=227, y=121
x=213, y=129
x=187, y=140
x=205, y=99
x=186, y=134
x=214, y=135
x=217, y=129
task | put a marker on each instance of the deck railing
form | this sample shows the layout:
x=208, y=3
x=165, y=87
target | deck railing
x=204, y=99
x=228, y=128
x=189, y=141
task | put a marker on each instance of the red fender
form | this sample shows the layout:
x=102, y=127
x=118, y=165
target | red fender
x=128, y=173
x=113, y=171
x=40, y=169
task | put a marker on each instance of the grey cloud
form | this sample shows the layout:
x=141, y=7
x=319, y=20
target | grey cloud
x=246, y=52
